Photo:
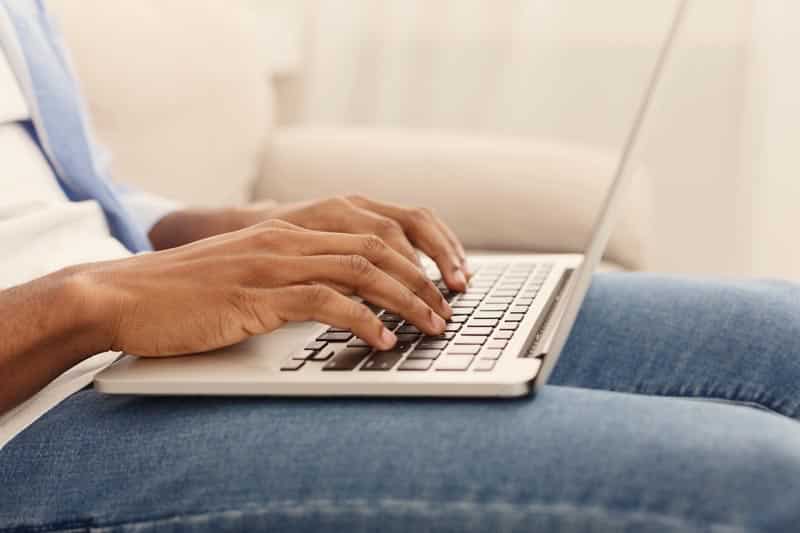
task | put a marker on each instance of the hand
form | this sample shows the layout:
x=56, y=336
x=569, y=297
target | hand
x=402, y=228
x=220, y=290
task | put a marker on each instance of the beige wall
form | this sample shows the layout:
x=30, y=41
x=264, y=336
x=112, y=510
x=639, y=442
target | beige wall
x=772, y=134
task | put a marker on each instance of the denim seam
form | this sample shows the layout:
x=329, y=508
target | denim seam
x=703, y=393
x=363, y=508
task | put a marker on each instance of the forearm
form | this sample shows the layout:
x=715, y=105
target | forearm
x=46, y=326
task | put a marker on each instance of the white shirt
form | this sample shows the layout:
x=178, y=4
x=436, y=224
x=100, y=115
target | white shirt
x=38, y=229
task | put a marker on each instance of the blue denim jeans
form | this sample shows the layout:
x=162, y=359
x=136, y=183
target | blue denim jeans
x=673, y=408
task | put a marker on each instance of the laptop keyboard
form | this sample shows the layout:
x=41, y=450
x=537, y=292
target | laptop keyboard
x=485, y=319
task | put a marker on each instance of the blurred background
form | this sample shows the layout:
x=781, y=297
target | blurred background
x=720, y=147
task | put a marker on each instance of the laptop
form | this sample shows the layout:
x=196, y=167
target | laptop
x=504, y=339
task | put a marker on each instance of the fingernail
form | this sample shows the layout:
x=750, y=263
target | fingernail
x=388, y=339
x=448, y=311
x=438, y=322
x=460, y=278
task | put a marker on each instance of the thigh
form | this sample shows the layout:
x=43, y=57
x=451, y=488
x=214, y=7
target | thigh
x=670, y=336
x=570, y=460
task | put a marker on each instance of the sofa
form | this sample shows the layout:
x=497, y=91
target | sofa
x=188, y=97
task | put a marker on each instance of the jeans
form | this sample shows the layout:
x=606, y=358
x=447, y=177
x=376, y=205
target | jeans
x=673, y=408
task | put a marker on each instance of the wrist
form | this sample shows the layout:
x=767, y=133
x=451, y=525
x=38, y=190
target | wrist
x=89, y=311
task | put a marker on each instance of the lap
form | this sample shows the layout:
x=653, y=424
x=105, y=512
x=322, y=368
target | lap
x=661, y=335
x=572, y=459
x=569, y=460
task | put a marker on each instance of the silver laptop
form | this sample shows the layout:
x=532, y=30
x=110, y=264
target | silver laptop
x=505, y=337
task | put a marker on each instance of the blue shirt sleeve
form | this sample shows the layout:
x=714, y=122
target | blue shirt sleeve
x=146, y=208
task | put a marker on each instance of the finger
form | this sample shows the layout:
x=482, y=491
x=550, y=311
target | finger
x=420, y=226
x=382, y=255
x=360, y=221
x=452, y=237
x=299, y=303
x=369, y=282
x=456, y=243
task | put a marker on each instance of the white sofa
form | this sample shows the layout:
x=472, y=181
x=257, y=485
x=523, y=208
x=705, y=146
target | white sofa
x=183, y=93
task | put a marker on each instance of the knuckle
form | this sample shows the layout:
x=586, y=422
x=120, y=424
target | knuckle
x=387, y=227
x=273, y=223
x=266, y=234
x=316, y=295
x=423, y=212
x=358, y=265
x=359, y=314
x=355, y=198
x=373, y=244
x=341, y=201
x=422, y=284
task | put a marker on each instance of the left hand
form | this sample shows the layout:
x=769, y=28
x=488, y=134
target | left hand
x=402, y=228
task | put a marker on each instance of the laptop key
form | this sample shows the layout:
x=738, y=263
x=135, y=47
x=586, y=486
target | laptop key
x=493, y=307
x=490, y=353
x=500, y=344
x=382, y=360
x=303, y=355
x=292, y=364
x=446, y=336
x=463, y=350
x=482, y=322
x=458, y=319
x=432, y=345
x=452, y=327
x=509, y=326
x=416, y=364
x=323, y=355
x=524, y=301
x=358, y=343
x=408, y=337
x=500, y=300
x=503, y=335
x=338, y=336
x=347, y=359
x=466, y=339
x=454, y=363
x=501, y=293
x=514, y=317
x=484, y=365
x=424, y=354
x=488, y=314
x=520, y=309
x=477, y=331
x=316, y=345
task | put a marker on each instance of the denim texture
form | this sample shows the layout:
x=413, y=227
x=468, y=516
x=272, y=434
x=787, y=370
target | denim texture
x=672, y=409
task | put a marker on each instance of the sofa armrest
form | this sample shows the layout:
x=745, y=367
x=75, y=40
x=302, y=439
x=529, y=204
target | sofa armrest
x=498, y=193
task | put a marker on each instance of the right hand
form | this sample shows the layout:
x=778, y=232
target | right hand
x=221, y=290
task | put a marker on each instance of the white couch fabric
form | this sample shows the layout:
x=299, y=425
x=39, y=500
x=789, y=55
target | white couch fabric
x=180, y=91
x=509, y=194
